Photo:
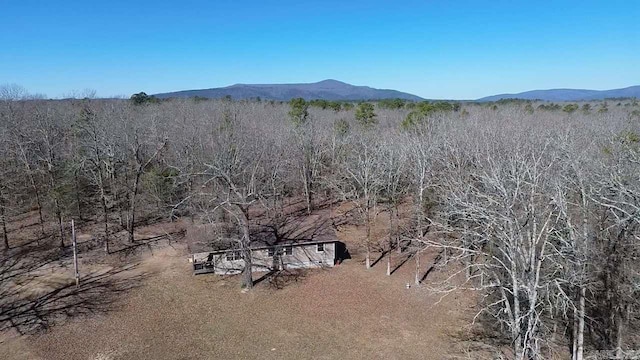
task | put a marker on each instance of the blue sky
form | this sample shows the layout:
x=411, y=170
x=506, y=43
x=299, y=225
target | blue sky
x=435, y=49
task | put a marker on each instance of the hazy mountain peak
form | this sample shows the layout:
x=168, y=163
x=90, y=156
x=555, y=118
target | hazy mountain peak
x=332, y=82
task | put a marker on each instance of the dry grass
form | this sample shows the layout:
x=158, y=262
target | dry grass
x=343, y=312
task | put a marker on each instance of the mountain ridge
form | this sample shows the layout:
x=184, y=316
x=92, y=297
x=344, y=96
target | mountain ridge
x=328, y=89
x=567, y=94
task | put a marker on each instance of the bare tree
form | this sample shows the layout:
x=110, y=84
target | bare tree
x=617, y=243
x=308, y=149
x=393, y=164
x=513, y=219
x=359, y=180
x=10, y=92
x=24, y=150
x=92, y=142
x=3, y=217
x=420, y=156
x=52, y=140
x=533, y=207
x=7, y=173
x=144, y=141
x=237, y=176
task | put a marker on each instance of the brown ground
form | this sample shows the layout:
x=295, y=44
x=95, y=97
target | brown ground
x=343, y=312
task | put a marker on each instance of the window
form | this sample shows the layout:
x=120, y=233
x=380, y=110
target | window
x=320, y=248
x=288, y=250
x=234, y=255
x=271, y=251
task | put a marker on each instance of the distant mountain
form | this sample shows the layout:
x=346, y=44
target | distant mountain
x=323, y=90
x=569, y=94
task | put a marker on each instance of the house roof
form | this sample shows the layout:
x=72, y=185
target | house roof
x=281, y=244
x=285, y=231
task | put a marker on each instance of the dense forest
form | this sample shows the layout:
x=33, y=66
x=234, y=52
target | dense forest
x=534, y=205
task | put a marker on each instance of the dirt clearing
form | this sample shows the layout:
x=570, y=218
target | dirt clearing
x=142, y=302
x=344, y=312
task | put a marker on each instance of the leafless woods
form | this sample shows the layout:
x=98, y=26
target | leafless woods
x=535, y=208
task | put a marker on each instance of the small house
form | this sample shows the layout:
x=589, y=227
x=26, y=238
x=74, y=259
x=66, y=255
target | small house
x=287, y=255
x=292, y=241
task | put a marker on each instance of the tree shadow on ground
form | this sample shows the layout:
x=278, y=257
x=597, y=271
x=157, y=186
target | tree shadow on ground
x=264, y=277
x=407, y=256
x=433, y=266
x=382, y=255
x=286, y=277
x=279, y=279
x=28, y=305
x=131, y=248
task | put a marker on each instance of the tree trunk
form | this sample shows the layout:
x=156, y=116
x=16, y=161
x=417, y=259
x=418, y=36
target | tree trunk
x=5, y=236
x=419, y=229
x=368, y=239
x=397, y=237
x=60, y=225
x=580, y=334
x=103, y=200
x=274, y=205
x=118, y=201
x=106, y=220
x=307, y=177
x=78, y=201
x=389, y=263
x=468, y=258
x=579, y=355
x=368, y=258
x=132, y=204
x=105, y=210
x=619, y=331
x=308, y=197
x=390, y=245
x=515, y=331
x=34, y=186
x=247, y=274
x=36, y=192
x=417, y=255
x=56, y=203
x=574, y=335
x=39, y=202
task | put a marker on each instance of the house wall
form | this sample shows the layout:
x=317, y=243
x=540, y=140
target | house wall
x=303, y=256
x=217, y=263
x=307, y=256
